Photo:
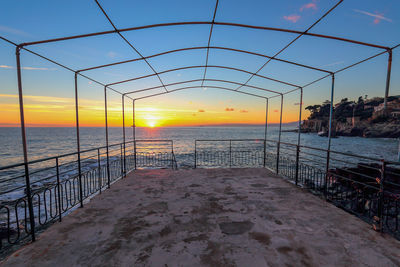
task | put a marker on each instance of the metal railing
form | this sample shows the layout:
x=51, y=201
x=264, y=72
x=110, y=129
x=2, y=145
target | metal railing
x=364, y=186
x=57, y=186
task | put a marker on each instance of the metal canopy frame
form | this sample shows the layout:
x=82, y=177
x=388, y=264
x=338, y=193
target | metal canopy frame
x=212, y=23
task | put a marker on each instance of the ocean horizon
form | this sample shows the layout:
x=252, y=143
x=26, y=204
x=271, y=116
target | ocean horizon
x=54, y=141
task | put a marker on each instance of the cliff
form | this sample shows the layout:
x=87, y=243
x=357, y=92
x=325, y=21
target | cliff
x=364, y=118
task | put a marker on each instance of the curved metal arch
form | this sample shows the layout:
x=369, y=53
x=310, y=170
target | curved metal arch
x=203, y=23
x=199, y=86
x=203, y=66
x=205, y=47
x=199, y=80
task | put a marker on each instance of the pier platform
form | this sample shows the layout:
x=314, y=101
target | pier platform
x=208, y=217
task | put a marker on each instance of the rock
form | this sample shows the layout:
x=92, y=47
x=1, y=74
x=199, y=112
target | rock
x=235, y=228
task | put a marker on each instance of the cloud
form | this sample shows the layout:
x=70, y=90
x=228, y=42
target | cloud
x=34, y=68
x=312, y=5
x=377, y=17
x=229, y=109
x=201, y=110
x=292, y=18
x=333, y=64
x=25, y=68
x=112, y=54
x=14, y=31
x=297, y=104
x=244, y=111
x=275, y=110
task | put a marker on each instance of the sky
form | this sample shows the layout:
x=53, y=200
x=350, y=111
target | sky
x=49, y=89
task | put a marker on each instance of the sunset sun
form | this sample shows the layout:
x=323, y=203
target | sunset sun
x=151, y=121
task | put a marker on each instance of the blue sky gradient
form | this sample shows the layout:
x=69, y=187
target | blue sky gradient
x=369, y=21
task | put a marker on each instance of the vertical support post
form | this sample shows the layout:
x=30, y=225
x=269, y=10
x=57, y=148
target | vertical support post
x=172, y=154
x=382, y=195
x=230, y=153
x=265, y=131
x=122, y=162
x=195, y=154
x=78, y=142
x=134, y=132
x=389, y=70
x=329, y=136
x=279, y=137
x=298, y=137
x=99, y=168
x=107, y=148
x=24, y=144
x=123, y=133
x=58, y=190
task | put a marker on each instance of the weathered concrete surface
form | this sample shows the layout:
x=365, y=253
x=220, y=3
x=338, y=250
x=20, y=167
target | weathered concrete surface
x=218, y=217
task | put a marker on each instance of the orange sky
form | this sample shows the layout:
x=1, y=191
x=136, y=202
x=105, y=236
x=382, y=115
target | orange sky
x=58, y=111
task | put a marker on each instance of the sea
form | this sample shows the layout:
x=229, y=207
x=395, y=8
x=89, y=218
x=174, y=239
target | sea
x=54, y=141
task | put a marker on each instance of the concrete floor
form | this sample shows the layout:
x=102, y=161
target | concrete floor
x=208, y=217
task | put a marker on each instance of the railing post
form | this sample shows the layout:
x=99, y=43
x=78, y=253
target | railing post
x=297, y=163
x=58, y=190
x=381, y=196
x=24, y=144
x=230, y=153
x=122, y=163
x=328, y=154
x=265, y=151
x=107, y=146
x=172, y=154
x=78, y=140
x=195, y=154
x=279, y=137
x=99, y=168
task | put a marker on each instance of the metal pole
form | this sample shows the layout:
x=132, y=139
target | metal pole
x=329, y=135
x=123, y=132
x=24, y=144
x=279, y=137
x=106, y=121
x=265, y=131
x=230, y=153
x=389, y=70
x=382, y=195
x=58, y=189
x=78, y=144
x=99, y=168
x=172, y=154
x=134, y=132
x=298, y=137
x=195, y=153
x=122, y=162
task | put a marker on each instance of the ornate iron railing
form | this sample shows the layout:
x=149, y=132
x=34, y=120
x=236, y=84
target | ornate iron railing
x=57, y=187
x=366, y=187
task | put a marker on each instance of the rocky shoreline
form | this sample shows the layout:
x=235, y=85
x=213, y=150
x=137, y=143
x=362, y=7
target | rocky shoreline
x=362, y=129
